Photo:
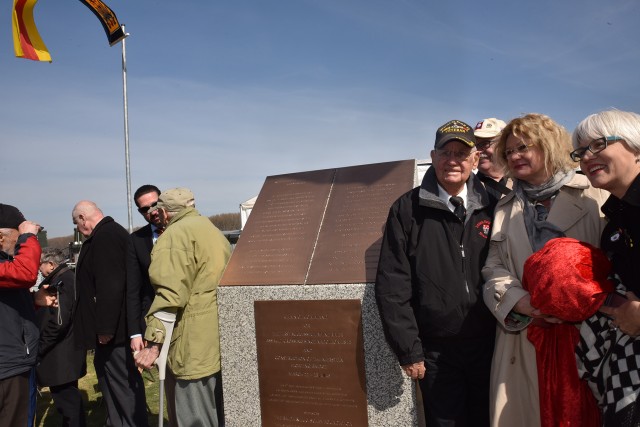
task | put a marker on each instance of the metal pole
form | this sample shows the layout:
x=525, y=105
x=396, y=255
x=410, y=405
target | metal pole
x=126, y=129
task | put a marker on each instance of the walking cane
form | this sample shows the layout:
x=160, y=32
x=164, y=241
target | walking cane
x=168, y=320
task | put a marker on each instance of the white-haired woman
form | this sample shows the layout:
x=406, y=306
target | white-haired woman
x=607, y=145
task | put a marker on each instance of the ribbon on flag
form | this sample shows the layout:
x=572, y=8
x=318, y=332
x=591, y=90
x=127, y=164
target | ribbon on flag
x=108, y=19
x=26, y=39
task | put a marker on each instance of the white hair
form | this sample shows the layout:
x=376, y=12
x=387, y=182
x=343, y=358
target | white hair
x=624, y=124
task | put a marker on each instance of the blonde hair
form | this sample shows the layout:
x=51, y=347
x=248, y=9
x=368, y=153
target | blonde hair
x=553, y=140
x=624, y=124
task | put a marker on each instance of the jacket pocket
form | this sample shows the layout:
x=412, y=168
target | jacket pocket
x=498, y=244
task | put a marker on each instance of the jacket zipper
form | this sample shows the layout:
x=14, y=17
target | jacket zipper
x=466, y=284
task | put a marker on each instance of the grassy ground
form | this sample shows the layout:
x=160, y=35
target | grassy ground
x=47, y=415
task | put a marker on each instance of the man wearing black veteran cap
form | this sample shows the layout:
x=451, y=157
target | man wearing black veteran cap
x=429, y=287
x=19, y=262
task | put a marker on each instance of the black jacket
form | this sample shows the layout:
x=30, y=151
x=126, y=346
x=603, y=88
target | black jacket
x=621, y=236
x=428, y=284
x=101, y=277
x=61, y=359
x=18, y=330
x=140, y=293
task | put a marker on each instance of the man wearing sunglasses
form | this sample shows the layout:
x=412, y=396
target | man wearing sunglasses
x=487, y=133
x=139, y=290
x=429, y=288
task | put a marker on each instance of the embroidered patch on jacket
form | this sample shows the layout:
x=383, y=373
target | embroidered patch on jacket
x=483, y=228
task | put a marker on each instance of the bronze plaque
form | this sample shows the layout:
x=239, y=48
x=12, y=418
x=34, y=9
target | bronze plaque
x=319, y=227
x=311, y=363
x=277, y=242
x=349, y=242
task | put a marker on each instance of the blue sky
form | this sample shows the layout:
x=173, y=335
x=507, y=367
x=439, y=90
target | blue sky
x=225, y=93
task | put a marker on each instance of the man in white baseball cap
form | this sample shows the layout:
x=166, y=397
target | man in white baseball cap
x=487, y=133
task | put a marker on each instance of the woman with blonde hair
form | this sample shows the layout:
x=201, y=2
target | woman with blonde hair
x=548, y=200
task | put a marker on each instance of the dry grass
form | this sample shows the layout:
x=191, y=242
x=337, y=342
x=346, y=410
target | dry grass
x=47, y=415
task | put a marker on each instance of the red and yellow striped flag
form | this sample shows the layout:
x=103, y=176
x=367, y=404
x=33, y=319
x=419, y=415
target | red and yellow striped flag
x=26, y=40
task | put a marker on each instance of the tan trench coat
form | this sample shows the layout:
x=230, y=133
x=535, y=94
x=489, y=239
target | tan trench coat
x=514, y=377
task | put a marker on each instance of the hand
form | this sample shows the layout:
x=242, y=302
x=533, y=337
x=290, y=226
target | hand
x=43, y=298
x=523, y=306
x=415, y=371
x=28, y=227
x=627, y=316
x=104, y=339
x=146, y=357
x=136, y=344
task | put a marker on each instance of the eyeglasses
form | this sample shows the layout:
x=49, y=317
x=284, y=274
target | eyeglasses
x=595, y=146
x=144, y=209
x=483, y=145
x=458, y=156
x=520, y=149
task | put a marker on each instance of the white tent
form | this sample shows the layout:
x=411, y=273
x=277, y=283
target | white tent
x=245, y=210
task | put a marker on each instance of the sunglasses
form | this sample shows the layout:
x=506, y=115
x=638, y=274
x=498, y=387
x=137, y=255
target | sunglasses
x=595, y=146
x=144, y=209
x=520, y=149
x=483, y=145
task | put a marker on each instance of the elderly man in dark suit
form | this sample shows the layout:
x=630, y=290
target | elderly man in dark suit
x=140, y=293
x=101, y=278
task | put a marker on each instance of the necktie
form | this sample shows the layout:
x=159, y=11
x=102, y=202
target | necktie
x=459, y=210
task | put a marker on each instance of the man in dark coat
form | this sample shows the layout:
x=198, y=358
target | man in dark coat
x=101, y=278
x=140, y=293
x=62, y=361
x=429, y=287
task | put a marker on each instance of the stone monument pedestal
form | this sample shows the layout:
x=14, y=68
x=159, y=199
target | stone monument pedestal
x=313, y=237
x=390, y=394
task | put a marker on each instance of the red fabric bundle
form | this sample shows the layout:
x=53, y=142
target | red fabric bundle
x=567, y=279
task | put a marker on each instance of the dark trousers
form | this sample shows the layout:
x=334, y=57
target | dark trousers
x=68, y=401
x=14, y=400
x=33, y=391
x=455, y=389
x=121, y=385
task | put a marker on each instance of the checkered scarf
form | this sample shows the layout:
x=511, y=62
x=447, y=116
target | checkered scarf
x=610, y=361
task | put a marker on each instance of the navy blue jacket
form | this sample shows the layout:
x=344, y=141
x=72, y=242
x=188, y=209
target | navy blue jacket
x=428, y=283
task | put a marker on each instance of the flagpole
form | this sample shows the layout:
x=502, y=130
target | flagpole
x=126, y=129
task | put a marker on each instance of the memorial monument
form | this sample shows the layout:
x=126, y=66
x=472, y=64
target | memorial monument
x=300, y=335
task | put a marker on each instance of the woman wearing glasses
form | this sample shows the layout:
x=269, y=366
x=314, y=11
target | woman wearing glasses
x=548, y=200
x=608, y=149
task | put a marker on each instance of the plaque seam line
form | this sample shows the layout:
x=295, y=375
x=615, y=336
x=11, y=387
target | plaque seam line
x=324, y=213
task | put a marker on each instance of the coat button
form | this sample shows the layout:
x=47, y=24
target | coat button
x=513, y=360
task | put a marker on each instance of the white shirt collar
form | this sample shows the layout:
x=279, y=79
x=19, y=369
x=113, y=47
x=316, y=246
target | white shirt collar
x=154, y=233
x=444, y=196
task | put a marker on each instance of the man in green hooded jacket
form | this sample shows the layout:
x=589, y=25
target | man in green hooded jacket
x=187, y=263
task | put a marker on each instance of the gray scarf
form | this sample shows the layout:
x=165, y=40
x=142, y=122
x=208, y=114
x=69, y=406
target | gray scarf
x=539, y=230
